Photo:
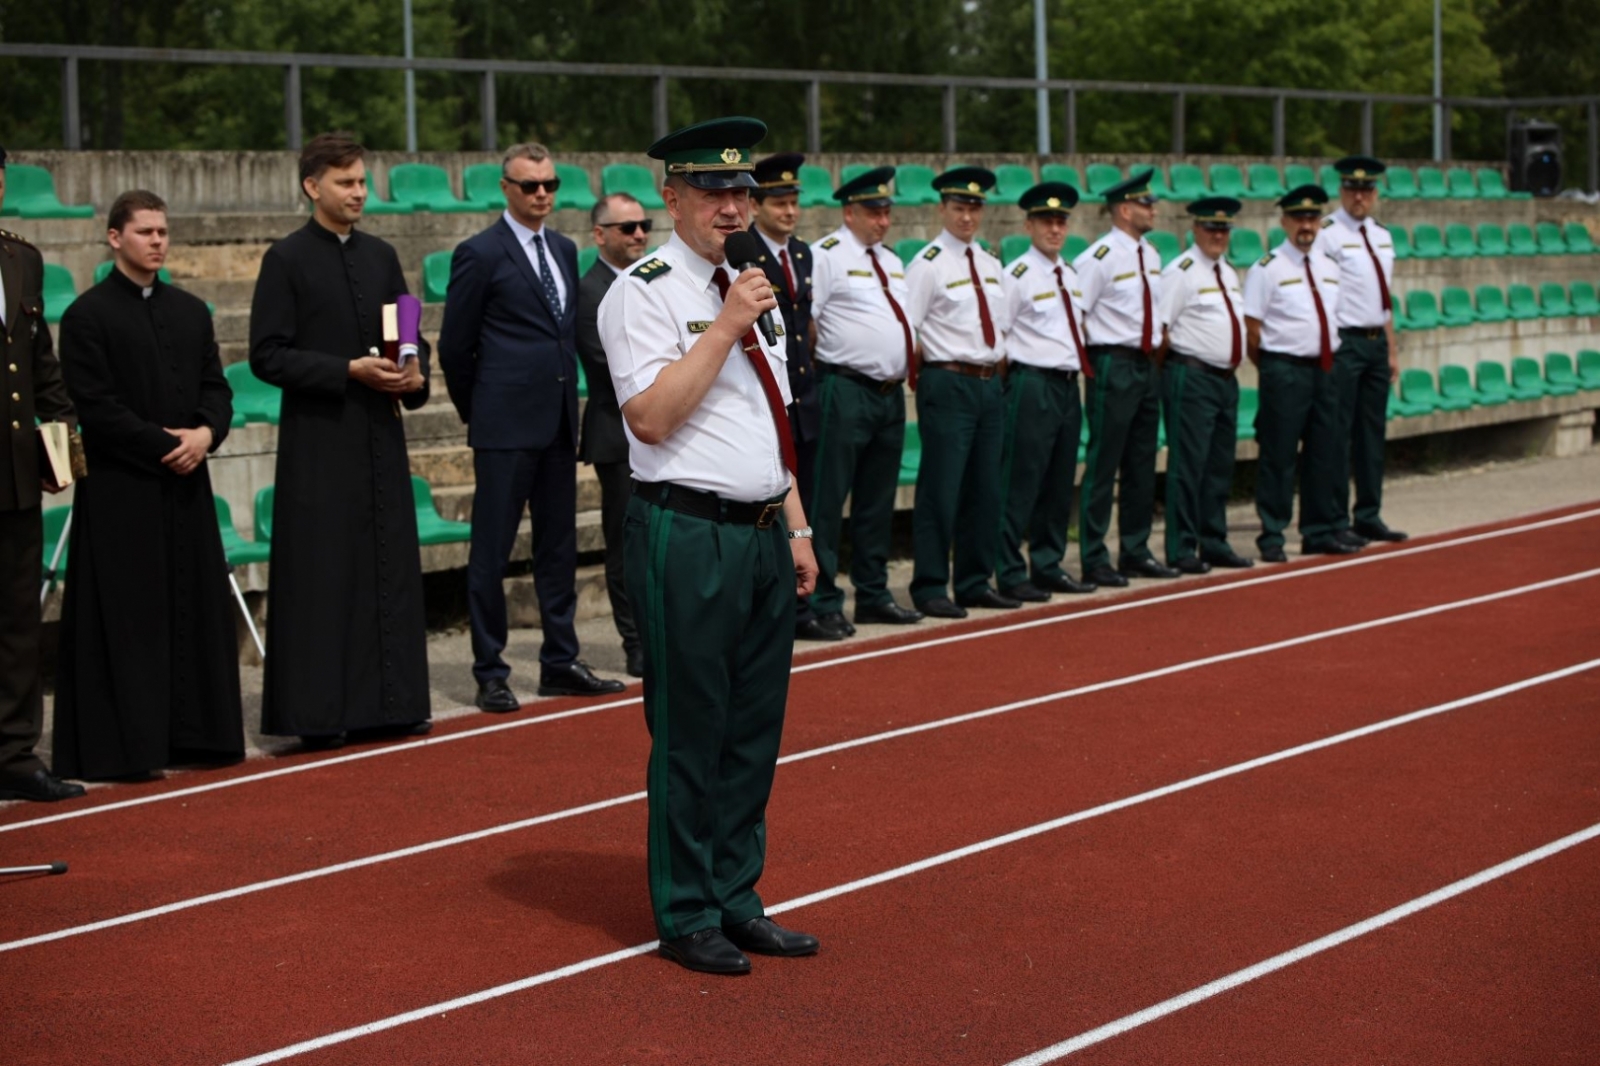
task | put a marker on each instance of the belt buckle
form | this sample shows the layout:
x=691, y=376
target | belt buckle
x=768, y=515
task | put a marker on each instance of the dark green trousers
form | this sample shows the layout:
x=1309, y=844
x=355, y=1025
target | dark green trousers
x=1299, y=410
x=1124, y=411
x=1361, y=367
x=858, y=457
x=1202, y=412
x=962, y=421
x=1038, y=463
x=714, y=604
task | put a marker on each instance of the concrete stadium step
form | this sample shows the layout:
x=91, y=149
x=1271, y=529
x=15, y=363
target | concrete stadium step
x=455, y=501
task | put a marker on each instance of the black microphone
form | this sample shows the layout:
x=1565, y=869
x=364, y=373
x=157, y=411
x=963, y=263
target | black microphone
x=743, y=249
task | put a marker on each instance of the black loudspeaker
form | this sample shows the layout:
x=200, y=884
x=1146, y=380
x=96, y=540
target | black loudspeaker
x=1535, y=156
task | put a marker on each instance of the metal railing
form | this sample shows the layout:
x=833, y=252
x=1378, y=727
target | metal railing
x=292, y=63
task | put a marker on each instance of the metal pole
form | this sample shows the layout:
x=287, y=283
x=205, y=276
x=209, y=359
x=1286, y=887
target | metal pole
x=1445, y=151
x=1072, y=121
x=411, y=86
x=814, y=117
x=244, y=609
x=1366, y=127
x=1178, y=101
x=491, y=133
x=1438, y=83
x=55, y=558
x=659, y=103
x=1279, y=134
x=1041, y=70
x=949, y=119
x=291, y=106
x=71, y=117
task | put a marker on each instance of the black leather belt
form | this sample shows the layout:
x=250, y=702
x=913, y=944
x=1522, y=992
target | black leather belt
x=1309, y=361
x=1200, y=364
x=1371, y=333
x=866, y=381
x=708, y=505
x=1048, y=371
x=981, y=371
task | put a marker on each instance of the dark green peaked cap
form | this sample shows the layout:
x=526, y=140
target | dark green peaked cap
x=1136, y=187
x=1303, y=200
x=1049, y=198
x=714, y=154
x=971, y=184
x=869, y=190
x=1359, y=171
x=1215, y=210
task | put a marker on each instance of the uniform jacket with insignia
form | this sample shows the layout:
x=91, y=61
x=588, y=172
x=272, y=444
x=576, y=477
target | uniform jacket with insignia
x=32, y=376
x=796, y=311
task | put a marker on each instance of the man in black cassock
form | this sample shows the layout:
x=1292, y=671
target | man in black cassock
x=346, y=639
x=148, y=672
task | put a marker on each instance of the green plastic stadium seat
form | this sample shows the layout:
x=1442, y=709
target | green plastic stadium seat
x=1158, y=180
x=425, y=187
x=1492, y=240
x=1455, y=307
x=1297, y=174
x=586, y=257
x=435, y=276
x=1491, y=185
x=1228, y=180
x=377, y=205
x=1520, y=240
x=908, y=248
x=1101, y=177
x=31, y=193
x=1522, y=303
x=1188, y=182
x=1249, y=404
x=636, y=180
x=1491, y=301
x=1455, y=385
x=1418, y=393
x=1461, y=184
x=1083, y=440
x=1166, y=243
x=237, y=550
x=1553, y=301
x=263, y=515
x=1275, y=237
x=985, y=245
x=1402, y=242
x=1558, y=373
x=1398, y=313
x=1011, y=181
x=253, y=398
x=1579, y=240
x=1244, y=248
x=1265, y=182
x=1551, y=242
x=1454, y=401
x=913, y=185
x=576, y=192
x=59, y=292
x=1076, y=245
x=911, y=455
x=1422, y=310
x=102, y=271
x=1426, y=242
x=1430, y=184
x=481, y=183
x=816, y=186
x=1400, y=184
x=431, y=527
x=1399, y=408
x=1584, y=300
x=1061, y=172
x=1589, y=369
x=1528, y=380
x=583, y=382
x=1013, y=245
x=1494, y=388
x=1459, y=242
x=55, y=520
x=1329, y=179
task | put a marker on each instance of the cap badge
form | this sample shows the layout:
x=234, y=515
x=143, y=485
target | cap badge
x=730, y=155
x=1053, y=202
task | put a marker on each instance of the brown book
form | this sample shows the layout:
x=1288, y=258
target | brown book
x=61, y=460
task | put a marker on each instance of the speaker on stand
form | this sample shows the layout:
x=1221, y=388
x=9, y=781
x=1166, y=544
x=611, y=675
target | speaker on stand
x=1534, y=150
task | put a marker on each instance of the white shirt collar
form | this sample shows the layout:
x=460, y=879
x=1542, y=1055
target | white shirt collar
x=1125, y=240
x=951, y=241
x=1291, y=253
x=773, y=245
x=524, y=234
x=1200, y=257
x=1040, y=257
x=694, y=264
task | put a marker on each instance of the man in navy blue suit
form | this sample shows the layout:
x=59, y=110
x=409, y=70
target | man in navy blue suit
x=510, y=359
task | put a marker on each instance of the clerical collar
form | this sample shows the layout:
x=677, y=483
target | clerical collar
x=327, y=234
x=146, y=291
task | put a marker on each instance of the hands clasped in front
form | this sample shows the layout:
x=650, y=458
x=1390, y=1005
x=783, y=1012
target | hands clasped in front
x=380, y=375
x=193, y=444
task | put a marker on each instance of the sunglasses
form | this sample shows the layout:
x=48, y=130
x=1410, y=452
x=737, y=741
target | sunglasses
x=530, y=187
x=1144, y=201
x=629, y=228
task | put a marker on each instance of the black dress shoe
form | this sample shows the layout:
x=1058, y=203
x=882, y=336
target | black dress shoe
x=706, y=951
x=816, y=629
x=1106, y=578
x=1146, y=567
x=1273, y=555
x=1063, y=582
x=41, y=786
x=1379, y=531
x=635, y=661
x=1191, y=565
x=496, y=697
x=836, y=620
x=1327, y=547
x=887, y=614
x=941, y=608
x=1229, y=559
x=575, y=679
x=991, y=599
x=1352, y=538
x=763, y=936
x=1026, y=593
x=323, y=742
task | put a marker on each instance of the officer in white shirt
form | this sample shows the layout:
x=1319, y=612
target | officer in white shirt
x=1203, y=306
x=717, y=548
x=1367, y=362
x=1291, y=298
x=1120, y=275
x=864, y=346
x=954, y=307
x=1044, y=354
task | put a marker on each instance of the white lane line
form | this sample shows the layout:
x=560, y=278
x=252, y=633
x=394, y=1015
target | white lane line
x=598, y=961
x=1299, y=569
x=844, y=745
x=1305, y=951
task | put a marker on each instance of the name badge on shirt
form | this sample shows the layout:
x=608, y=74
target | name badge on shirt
x=1124, y=277
x=699, y=327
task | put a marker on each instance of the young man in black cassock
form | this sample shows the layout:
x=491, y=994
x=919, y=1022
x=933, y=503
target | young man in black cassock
x=148, y=671
x=346, y=638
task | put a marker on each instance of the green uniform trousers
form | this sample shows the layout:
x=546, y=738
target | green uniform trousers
x=1361, y=368
x=1299, y=409
x=861, y=435
x=1201, y=407
x=962, y=420
x=1124, y=411
x=714, y=604
x=1038, y=463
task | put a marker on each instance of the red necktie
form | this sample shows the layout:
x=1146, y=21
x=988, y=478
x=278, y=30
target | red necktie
x=769, y=384
x=894, y=305
x=1077, y=341
x=1233, y=322
x=788, y=275
x=1144, y=279
x=1322, y=318
x=1383, y=286
x=983, y=301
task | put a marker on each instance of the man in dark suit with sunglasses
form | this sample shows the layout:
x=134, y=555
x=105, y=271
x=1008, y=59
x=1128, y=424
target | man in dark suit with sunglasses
x=509, y=353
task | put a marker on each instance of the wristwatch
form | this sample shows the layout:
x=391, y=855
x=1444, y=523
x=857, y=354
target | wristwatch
x=803, y=533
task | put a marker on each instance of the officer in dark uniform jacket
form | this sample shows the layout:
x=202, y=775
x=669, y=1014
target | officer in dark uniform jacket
x=32, y=388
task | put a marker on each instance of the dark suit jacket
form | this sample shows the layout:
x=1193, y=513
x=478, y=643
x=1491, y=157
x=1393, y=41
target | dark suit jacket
x=796, y=310
x=509, y=361
x=28, y=370
x=603, y=439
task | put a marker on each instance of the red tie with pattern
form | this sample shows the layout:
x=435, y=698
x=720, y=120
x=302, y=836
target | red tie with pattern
x=1077, y=341
x=894, y=305
x=1233, y=321
x=1326, y=358
x=788, y=275
x=769, y=384
x=1377, y=265
x=983, y=301
x=1145, y=344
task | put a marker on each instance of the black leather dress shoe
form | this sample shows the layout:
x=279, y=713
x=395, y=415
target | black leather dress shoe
x=1026, y=593
x=1146, y=567
x=1189, y=564
x=886, y=614
x=992, y=600
x=1352, y=538
x=837, y=620
x=706, y=951
x=1063, y=582
x=941, y=608
x=1274, y=555
x=816, y=629
x=1327, y=547
x=41, y=786
x=575, y=679
x=1230, y=560
x=1379, y=531
x=496, y=697
x=763, y=936
x=1106, y=578
x=635, y=661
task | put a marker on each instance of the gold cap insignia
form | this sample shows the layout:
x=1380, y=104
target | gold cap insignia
x=730, y=155
x=1054, y=201
x=788, y=175
x=973, y=186
x=884, y=189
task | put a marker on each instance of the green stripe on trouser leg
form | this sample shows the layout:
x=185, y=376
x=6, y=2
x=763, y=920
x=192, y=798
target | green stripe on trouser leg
x=1299, y=410
x=715, y=604
x=1038, y=464
x=1124, y=417
x=1361, y=369
x=958, y=484
x=1202, y=411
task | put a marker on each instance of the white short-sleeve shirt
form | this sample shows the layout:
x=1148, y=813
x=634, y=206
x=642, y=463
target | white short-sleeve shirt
x=1113, y=298
x=1277, y=295
x=1361, y=303
x=1198, y=318
x=944, y=303
x=1037, y=330
x=856, y=327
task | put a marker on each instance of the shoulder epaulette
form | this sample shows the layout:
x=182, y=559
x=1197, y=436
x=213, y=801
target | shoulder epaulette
x=1380, y=225
x=1265, y=260
x=830, y=243
x=651, y=269
x=8, y=235
x=1185, y=263
x=931, y=252
x=1102, y=251
x=1327, y=222
x=1019, y=270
